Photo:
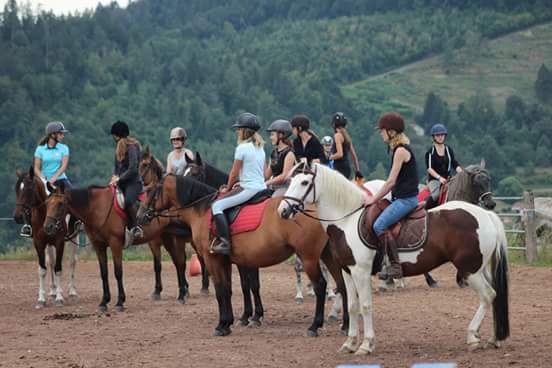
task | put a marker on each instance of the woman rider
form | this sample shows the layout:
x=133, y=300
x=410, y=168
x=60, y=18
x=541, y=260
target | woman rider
x=306, y=146
x=342, y=145
x=282, y=157
x=51, y=158
x=177, y=160
x=126, y=176
x=248, y=169
x=440, y=161
x=403, y=184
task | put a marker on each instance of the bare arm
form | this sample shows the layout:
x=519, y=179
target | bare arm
x=289, y=162
x=169, y=166
x=234, y=173
x=338, y=138
x=61, y=170
x=354, y=156
x=267, y=173
x=401, y=156
x=37, y=167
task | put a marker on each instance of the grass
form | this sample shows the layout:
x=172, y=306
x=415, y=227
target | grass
x=506, y=66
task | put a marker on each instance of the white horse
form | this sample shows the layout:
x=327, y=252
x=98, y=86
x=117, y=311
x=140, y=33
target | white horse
x=472, y=238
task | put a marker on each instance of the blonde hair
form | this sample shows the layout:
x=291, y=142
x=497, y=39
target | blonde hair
x=254, y=137
x=397, y=140
x=122, y=146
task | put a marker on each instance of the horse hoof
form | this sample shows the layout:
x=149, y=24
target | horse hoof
x=41, y=304
x=181, y=301
x=120, y=308
x=492, y=343
x=155, y=296
x=102, y=308
x=345, y=349
x=299, y=301
x=344, y=332
x=473, y=347
x=332, y=318
x=74, y=296
x=59, y=303
x=222, y=332
x=363, y=351
x=254, y=324
x=204, y=292
x=311, y=333
x=434, y=285
x=244, y=322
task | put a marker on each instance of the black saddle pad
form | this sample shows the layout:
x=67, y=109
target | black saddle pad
x=233, y=212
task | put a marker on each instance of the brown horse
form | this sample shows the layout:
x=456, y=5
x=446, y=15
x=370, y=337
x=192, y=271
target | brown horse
x=151, y=170
x=274, y=241
x=30, y=208
x=105, y=228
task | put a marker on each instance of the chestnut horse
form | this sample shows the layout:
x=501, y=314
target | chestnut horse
x=105, y=228
x=470, y=237
x=274, y=241
x=30, y=194
x=152, y=170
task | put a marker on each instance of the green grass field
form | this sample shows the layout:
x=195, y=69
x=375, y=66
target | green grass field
x=504, y=66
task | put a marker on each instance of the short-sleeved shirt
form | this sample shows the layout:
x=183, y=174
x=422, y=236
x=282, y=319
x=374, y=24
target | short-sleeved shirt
x=51, y=159
x=311, y=151
x=178, y=166
x=252, y=170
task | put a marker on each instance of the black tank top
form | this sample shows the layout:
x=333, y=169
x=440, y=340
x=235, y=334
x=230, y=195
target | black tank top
x=343, y=165
x=277, y=159
x=407, y=181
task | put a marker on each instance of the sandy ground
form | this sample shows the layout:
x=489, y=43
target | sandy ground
x=416, y=324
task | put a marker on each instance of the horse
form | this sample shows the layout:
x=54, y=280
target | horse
x=30, y=194
x=151, y=170
x=94, y=206
x=272, y=242
x=470, y=237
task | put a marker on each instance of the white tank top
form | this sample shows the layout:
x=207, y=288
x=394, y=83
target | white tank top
x=178, y=166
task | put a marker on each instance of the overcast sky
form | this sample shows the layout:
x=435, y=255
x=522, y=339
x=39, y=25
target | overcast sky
x=64, y=6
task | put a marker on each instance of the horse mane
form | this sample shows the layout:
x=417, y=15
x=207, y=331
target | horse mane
x=346, y=196
x=214, y=176
x=80, y=197
x=460, y=185
x=190, y=190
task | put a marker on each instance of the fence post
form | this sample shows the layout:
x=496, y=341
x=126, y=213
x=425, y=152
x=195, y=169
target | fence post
x=530, y=227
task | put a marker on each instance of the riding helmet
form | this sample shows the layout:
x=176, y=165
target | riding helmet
x=280, y=126
x=247, y=120
x=391, y=120
x=300, y=121
x=178, y=132
x=120, y=129
x=326, y=140
x=439, y=129
x=55, y=127
x=339, y=120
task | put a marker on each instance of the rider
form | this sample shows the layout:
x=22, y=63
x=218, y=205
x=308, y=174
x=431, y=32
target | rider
x=306, y=146
x=440, y=161
x=342, y=145
x=248, y=169
x=126, y=176
x=282, y=157
x=327, y=144
x=51, y=158
x=403, y=184
x=176, y=160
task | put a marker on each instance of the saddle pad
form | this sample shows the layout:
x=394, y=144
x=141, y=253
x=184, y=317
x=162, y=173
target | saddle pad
x=423, y=194
x=119, y=201
x=248, y=219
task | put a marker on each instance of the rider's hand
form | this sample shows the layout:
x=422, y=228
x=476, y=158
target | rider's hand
x=114, y=180
x=223, y=188
x=358, y=175
x=442, y=180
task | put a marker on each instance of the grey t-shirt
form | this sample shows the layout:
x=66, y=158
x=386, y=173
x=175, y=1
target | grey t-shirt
x=178, y=166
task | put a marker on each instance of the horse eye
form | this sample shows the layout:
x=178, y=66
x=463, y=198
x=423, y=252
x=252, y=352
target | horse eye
x=305, y=182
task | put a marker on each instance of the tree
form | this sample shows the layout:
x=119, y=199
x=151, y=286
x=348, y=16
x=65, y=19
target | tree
x=435, y=111
x=543, y=84
x=510, y=186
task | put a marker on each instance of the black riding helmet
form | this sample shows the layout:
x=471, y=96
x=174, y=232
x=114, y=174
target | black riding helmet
x=247, y=120
x=339, y=120
x=280, y=126
x=120, y=129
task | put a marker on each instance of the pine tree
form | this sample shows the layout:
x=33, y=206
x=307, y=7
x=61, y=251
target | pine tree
x=543, y=84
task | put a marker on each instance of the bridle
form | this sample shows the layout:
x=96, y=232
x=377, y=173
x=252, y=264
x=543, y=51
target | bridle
x=27, y=208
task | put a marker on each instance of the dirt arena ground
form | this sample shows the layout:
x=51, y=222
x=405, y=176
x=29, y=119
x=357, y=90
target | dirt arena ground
x=412, y=325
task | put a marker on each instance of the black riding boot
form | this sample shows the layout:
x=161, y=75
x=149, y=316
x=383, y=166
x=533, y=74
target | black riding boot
x=134, y=231
x=430, y=203
x=222, y=245
x=393, y=270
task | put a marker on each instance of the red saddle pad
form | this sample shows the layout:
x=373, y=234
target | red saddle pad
x=118, y=210
x=248, y=219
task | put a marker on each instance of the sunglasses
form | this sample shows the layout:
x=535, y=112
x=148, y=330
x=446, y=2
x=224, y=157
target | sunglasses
x=177, y=139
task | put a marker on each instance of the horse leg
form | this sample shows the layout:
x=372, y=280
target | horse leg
x=204, y=277
x=101, y=253
x=349, y=346
x=326, y=274
x=221, y=272
x=312, y=268
x=40, y=251
x=117, y=252
x=60, y=247
x=299, y=295
x=245, y=286
x=155, y=248
x=486, y=295
x=363, y=280
x=177, y=249
x=51, y=260
x=341, y=298
x=72, y=265
x=431, y=282
x=255, y=284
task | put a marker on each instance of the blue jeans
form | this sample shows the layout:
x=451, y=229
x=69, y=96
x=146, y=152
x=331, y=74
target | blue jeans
x=398, y=209
x=66, y=183
x=233, y=200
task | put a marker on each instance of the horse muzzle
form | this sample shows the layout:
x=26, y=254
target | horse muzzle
x=144, y=218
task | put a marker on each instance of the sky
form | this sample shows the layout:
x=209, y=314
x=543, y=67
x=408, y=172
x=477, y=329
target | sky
x=64, y=6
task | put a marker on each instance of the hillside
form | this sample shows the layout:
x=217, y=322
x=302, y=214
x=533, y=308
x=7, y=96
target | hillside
x=504, y=66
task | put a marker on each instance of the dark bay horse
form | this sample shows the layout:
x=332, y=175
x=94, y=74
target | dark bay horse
x=152, y=170
x=470, y=237
x=274, y=241
x=30, y=207
x=105, y=228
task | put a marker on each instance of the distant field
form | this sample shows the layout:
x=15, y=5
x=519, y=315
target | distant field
x=507, y=65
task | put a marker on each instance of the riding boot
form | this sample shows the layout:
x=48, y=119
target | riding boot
x=222, y=245
x=430, y=203
x=26, y=231
x=393, y=270
x=134, y=231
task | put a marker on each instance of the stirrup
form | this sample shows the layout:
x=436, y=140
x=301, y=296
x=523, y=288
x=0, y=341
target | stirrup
x=26, y=231
x=220, y=246
x=76, y=229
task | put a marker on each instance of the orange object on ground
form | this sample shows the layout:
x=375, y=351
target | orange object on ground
x=194, y=267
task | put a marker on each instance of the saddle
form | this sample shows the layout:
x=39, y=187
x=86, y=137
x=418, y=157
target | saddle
x=246, y=216
x=425, y=193
x=410, y=233
x=119, y=201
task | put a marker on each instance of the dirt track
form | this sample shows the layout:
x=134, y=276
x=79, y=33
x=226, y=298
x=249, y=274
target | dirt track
x=412, y=325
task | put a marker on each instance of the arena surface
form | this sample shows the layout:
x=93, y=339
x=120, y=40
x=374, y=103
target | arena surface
x=417, y=324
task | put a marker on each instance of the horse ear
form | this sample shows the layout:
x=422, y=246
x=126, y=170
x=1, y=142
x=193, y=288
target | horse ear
x=50, y=187
x=482, y=164
x=198, y=159
x=18, y=173
x=188, y=159
x=31, y=172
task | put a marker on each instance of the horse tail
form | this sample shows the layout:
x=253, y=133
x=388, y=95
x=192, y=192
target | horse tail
x=500, y=282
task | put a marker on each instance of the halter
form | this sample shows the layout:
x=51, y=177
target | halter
x=482, y=196
x=27, y=208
